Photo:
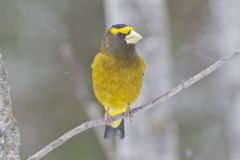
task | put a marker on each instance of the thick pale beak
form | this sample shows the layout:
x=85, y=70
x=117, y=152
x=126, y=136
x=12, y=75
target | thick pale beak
x=133, y=37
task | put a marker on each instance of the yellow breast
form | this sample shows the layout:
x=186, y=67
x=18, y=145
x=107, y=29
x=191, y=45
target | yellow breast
x=117, y=81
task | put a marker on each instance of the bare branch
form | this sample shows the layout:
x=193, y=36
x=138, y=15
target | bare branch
x=9, y=133
x=58, y=142
x=90, y=124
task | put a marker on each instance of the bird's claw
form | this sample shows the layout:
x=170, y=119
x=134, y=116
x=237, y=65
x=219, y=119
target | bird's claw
x=129, y=113
x=108, y=119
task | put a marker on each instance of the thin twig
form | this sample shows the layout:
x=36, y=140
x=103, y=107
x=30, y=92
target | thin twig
x=90, y=124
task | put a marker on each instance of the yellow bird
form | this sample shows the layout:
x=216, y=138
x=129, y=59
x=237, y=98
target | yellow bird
x=117, y=73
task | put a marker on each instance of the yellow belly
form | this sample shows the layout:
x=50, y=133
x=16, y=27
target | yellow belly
x=117, y=81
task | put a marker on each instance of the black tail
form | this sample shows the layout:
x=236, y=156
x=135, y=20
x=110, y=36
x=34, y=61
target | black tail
x=111, y=132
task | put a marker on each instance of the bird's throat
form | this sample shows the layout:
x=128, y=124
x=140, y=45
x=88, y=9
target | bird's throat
x=125, y=50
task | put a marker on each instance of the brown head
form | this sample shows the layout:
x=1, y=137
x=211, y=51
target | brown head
x=120, y=39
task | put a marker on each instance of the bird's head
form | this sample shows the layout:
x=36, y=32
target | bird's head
x=120, y=38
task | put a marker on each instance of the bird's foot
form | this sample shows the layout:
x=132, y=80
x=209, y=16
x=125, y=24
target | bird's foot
x=108, y=119
x=129, y=113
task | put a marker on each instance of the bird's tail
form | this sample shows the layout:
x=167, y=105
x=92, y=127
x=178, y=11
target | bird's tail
x=111, y=132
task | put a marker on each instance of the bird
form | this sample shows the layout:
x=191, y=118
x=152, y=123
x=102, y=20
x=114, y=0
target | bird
x=117, y=75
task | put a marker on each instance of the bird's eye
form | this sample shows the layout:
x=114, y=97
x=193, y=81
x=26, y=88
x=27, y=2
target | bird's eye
x=120, y=34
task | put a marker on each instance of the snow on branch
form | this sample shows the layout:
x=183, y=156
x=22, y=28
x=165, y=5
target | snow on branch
x=94, y=123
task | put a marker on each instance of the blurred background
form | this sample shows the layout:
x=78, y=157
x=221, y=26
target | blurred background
x=48, y=47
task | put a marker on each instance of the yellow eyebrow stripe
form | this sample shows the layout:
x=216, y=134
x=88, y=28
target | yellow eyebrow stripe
x=124, y=30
